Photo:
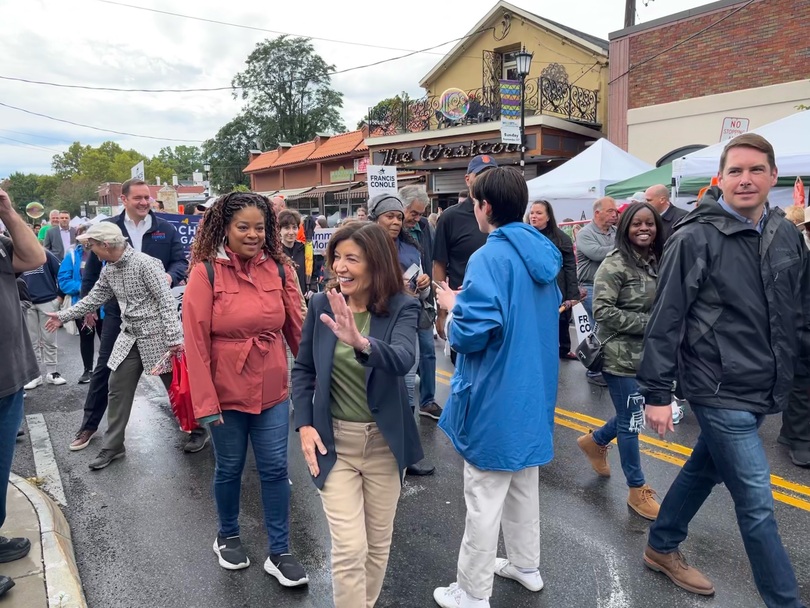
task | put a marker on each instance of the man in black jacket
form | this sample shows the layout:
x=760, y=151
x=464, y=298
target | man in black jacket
x=729, y=324
x=658, y=197
x=153, y=236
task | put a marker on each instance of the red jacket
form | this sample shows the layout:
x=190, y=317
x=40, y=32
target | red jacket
x=233, y=334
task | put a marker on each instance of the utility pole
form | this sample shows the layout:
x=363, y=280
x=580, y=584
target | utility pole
x=629, y=13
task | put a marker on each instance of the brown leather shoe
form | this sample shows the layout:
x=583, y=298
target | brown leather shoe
x=82, y=440
x=597, y=454
x=679, y=572
x=642, y=501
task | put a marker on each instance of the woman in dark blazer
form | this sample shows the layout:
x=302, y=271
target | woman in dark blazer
x=351, y=405
x=541, y=216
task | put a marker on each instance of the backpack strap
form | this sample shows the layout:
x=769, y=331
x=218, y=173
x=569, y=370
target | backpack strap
x=209, y=268
x=282, y=274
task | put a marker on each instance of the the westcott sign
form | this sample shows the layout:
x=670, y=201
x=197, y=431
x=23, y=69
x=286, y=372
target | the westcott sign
x=437, y=152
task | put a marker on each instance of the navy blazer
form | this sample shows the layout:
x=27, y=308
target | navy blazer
x=393, y=352
x=162, y=241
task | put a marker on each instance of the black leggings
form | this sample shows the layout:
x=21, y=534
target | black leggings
x=86, y=337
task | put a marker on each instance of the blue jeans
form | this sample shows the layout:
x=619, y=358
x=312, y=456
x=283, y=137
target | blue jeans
x=11, y=415
x=427, y=367
x=729, y=450
x=268, y=435
x=624, y=426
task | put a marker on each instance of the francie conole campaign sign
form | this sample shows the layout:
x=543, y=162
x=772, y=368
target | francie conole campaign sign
x=582, y=322
x=382, y=179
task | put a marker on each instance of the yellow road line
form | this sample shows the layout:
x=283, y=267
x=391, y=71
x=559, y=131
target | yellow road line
x=573, y=421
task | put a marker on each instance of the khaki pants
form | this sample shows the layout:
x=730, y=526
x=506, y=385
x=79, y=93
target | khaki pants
x=498, y=499
x=360, y=500
x=43, y=341
x=122, y=385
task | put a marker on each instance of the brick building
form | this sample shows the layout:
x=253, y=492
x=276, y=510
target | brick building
x=704, y=74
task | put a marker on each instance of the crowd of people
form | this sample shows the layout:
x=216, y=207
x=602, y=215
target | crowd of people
x=710, y=306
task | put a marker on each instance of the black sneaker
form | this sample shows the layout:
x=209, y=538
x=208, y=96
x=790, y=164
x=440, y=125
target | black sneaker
x=286, y=569
x=5, y=584
x=197, y=440
x=230, y=552
x=85, y=377
x=13, y=548
x=431, y=410
x=105, y=457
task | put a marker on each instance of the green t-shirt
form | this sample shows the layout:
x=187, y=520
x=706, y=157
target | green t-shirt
x=349, y=401
x=43, y=231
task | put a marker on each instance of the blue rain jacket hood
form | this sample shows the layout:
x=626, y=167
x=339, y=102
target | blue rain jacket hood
x=500, y=413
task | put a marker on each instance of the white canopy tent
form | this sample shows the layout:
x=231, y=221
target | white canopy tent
x=788, y=136
x=572, y=187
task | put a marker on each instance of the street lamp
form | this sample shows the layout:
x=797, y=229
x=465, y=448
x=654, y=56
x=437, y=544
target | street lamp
x=207, y=169
x=523, y=59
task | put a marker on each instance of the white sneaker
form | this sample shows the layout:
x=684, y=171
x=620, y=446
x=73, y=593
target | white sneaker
x=531, y=580
x=455, y=597
x=33, y=384
x=677, y=411
x=55, y=378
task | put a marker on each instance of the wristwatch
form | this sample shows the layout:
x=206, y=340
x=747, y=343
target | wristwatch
x=366, y=351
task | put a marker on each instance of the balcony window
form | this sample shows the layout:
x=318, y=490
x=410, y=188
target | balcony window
x=510, y=66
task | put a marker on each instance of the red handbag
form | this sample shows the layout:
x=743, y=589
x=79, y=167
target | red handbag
x=180, y=394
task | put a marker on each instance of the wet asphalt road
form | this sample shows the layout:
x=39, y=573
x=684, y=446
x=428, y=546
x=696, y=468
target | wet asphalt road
x=143, y=528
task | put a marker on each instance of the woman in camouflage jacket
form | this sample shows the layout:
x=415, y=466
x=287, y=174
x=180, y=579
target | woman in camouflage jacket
x=624, y=291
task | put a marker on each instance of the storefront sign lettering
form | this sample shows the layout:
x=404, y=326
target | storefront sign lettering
x=432, y=153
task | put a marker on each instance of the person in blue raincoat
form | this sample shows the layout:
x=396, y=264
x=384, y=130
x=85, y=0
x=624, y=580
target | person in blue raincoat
x=70, y=282
x=500, y=414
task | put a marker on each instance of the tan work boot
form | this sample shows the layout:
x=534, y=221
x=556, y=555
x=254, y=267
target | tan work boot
x=679, y=572
x=597, y=454
x=642, y=501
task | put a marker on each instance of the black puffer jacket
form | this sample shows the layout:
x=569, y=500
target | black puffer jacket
x=730, y=319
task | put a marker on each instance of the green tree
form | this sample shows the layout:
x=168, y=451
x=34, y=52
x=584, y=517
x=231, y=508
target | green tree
x=228, y=153
x=71, y=193
x=96, y=164
x=287, y=88
x=67, y=164
x=183, y=161
x=381, y=111
x=48, y=185
x=22, y=188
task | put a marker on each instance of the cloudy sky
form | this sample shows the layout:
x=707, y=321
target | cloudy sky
x=103, y=43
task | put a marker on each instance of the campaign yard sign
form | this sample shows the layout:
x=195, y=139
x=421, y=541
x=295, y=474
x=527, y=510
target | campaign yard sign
x=320, y=239
x=186, y=226
x=382, y=179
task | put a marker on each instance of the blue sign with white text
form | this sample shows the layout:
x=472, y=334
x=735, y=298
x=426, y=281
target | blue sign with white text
x=186, y=225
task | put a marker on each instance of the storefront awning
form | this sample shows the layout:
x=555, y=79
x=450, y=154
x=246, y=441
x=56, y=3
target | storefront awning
x=285, y=193
x=361, y=192
x=320, y=191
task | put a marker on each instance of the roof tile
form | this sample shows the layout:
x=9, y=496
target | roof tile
x=263, y=161
x=345, y=143
x=296, y=154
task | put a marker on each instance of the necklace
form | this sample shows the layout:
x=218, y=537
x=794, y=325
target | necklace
x=364, y=329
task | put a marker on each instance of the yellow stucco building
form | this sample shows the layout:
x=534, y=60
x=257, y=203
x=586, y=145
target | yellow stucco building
x=565, y=102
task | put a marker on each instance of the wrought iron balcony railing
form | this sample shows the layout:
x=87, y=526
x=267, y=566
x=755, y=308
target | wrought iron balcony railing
x=483, y=105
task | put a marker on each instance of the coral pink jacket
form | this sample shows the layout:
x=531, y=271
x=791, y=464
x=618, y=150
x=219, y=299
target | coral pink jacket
x=233, y=334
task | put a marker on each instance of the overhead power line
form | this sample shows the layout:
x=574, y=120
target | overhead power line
x=227, y=88
x=78, y=124
x=25, y=143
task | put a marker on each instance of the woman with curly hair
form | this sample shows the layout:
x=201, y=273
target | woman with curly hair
x=240, y=300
